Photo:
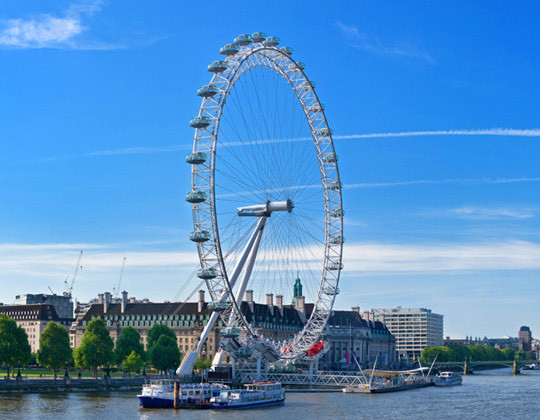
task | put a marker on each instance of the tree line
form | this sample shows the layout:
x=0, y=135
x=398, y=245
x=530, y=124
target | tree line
x=474, y=352
x=96, y=349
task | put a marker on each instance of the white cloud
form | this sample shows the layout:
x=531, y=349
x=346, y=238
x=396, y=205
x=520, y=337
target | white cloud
x=472, y=181
x=50, y=31
x=151, y=271
x=482, y=213
x=373, y=44
x=534, y=132
x=413, y=258
x=44, y=31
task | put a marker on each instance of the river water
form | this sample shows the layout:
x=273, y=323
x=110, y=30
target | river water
x=486, y=395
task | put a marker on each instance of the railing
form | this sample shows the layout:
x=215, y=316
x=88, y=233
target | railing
x=334, y=379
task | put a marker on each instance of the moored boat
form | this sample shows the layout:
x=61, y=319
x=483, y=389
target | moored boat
x=447, y=379
x=160, y=394
x=390, y=381
x=255, y=395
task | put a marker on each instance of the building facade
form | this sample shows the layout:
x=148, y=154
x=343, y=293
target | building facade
x=32, y=318
x=354, y=341
x=63, y=305
x=346, y=331
x=414, y=328
x=525, y=338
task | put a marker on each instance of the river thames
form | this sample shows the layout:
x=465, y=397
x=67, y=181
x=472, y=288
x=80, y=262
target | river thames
x=490, y=394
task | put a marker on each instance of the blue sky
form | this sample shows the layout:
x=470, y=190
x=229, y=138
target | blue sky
x=434, y=109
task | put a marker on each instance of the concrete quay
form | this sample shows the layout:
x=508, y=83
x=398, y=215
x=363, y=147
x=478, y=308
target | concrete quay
x=68, y=384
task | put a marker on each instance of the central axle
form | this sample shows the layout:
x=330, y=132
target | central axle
x=266, y=209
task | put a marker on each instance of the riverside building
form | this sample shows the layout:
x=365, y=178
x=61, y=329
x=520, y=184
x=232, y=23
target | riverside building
x=63, y=305
x=414, y=328
x=525, y=338
x=32, y=318
x=347, y=334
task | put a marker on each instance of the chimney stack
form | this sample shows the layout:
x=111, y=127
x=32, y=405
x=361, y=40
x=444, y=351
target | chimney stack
x=279, y=303
x=249, y=299
x=356, y=309
x=200, y=307
x=106, y=302
x=100, y=299
x=124, y=300
x=299, y=305
x=270, y=302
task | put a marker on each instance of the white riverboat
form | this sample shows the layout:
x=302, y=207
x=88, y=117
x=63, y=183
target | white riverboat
x=160, y=394
x=255, y=395
x=447, y=379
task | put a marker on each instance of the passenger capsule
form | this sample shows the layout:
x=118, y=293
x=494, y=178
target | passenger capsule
x=287, y=50
x=208, y=91
x=337, y=240
x=196, y=158
x=200, y=122
x=335, y=185
x=300, y=65
x=229, y=49
x=258, y=37
x=335, y=266
x=218, y=306
x=316, y=108
x=271, y=41
x=324, y=132
x=195, y=197
x=331, y=291
x=307, y=85
x=207, y=273
x=242, y=40
x=230, y=332
x=330, y=158
x=217, y=66
x=200, y=236
x=337, y=213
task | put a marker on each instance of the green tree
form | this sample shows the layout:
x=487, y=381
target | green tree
x=520, y=355
x=133, y=362
x=530, y=355
x=164, y=354
x=96, y=347
x=14, y=346
x=54, y=349
x=157, y=331
x=202, y=363
x=509, y=353
x=128, y=342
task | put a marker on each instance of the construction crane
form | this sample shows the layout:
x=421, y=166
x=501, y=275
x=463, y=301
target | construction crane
x=116, y=290
x=69, y=286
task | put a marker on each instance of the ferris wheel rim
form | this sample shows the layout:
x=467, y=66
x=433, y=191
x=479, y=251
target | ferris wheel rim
x=204, y=137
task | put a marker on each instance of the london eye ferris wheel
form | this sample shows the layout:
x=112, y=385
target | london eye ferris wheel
x=265, y=193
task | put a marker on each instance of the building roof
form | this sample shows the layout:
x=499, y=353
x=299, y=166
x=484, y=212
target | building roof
x=37, y=312
x=146, y=309
x=260, y=311
x=354, y=320
x=346, y=319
